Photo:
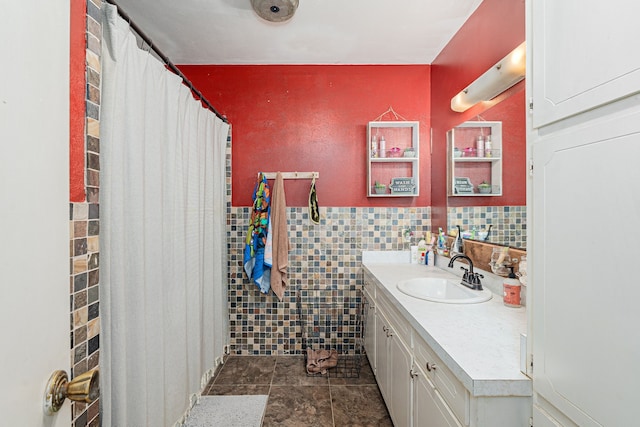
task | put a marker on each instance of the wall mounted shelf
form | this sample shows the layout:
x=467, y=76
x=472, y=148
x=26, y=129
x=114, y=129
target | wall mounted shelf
x=467, y=166
x=399, y=173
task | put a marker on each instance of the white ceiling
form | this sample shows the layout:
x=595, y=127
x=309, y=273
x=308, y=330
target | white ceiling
x=320, y=32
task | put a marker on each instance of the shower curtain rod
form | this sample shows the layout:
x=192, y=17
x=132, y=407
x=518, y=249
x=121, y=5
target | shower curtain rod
x=166, y=60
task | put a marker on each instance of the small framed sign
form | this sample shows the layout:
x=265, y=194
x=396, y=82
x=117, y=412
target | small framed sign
x=462, y=185
x=402, y=186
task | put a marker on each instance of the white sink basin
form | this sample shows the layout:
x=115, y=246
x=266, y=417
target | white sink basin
x=444, y=290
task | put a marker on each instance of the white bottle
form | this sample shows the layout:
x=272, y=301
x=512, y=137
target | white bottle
x=382, y=150
x=480, y=146
x=374, y=146
x=487, y=146
x=422, y=252
x=414, y=254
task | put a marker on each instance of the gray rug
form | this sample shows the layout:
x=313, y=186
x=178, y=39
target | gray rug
x=228, y=411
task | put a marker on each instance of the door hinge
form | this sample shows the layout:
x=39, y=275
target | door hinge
x=530, y=167
x=530, y=421
x=531, y=363
x=530, y=105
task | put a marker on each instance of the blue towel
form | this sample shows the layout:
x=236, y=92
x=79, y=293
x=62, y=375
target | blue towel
x=254, y=261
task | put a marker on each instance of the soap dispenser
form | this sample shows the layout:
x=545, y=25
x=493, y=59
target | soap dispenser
x=511, y=290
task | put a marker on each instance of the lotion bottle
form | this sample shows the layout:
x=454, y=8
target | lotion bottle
x=422, y=252
x=511, y=290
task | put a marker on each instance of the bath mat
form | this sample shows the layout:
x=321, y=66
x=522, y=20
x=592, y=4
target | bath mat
x=228, y=411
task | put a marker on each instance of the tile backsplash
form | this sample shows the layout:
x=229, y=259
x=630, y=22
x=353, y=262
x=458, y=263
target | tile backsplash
x=509, y=223
x=84, y=232
x=326, y=256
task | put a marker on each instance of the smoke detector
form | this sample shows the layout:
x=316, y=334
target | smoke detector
x=275, y=10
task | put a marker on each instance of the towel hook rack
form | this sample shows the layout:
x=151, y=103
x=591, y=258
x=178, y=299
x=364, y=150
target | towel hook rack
x=292, y=175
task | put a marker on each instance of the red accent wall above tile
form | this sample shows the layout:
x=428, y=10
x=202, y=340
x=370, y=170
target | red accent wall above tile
x=314, y=118
x=490, y=33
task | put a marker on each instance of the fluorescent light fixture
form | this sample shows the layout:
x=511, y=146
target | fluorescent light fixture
x=507, y=72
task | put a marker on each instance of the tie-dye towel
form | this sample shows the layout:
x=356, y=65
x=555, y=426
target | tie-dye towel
x=254, y=261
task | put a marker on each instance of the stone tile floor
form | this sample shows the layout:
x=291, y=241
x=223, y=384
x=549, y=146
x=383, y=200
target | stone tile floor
x=296, y=399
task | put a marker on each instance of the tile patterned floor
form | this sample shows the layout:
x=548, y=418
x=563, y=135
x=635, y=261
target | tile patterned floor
x=296, y=399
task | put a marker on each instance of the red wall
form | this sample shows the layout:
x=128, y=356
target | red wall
x=77, y=100
x=494, y=29
x=511, y=112
x=304, y=117
x=314, y=118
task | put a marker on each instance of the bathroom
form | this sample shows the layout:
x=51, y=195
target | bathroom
x=326, y=109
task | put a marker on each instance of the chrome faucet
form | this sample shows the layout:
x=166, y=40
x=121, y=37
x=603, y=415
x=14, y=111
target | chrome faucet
x=470, y=279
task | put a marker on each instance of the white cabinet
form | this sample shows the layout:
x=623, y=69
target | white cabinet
x=400, y=382
x=598, y=160
x=585, y=142
x=430, y=410
x=394, y=361
x=419, y=389
x=581, y=56
x=451, y=396
x=370, y=324
x=472, y=171
x=397, y=166
x=382, y=356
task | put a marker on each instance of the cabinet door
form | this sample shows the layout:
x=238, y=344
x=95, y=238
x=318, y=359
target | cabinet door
x=585, y=296
x=400, y=381
x=584, y=55
x=382, y=356
x=429, y=409
x=370, y=331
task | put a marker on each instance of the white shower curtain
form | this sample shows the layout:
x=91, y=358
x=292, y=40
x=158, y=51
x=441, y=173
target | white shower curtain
x=163, y=262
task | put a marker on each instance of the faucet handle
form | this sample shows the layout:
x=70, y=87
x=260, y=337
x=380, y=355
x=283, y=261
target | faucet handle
x=466, y=275
x=475, y=280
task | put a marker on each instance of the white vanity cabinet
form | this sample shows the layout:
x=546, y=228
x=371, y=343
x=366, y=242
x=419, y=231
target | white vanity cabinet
x=447, y=394
x=411, y=378
x=369, y=295
x=430, y=410
x=441, y=400
x=394, y=360
x=422, y=383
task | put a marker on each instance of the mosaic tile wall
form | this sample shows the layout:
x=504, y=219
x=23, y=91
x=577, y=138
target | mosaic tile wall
x=509, y=223
x=84, y=231
x=322, y=257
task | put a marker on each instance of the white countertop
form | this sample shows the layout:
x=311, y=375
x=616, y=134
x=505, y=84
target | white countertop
x=479, y=343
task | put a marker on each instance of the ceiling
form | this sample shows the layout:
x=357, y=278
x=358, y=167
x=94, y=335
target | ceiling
x=320, y=32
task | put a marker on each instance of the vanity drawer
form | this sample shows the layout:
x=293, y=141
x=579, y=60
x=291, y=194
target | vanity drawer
x=453, y=392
